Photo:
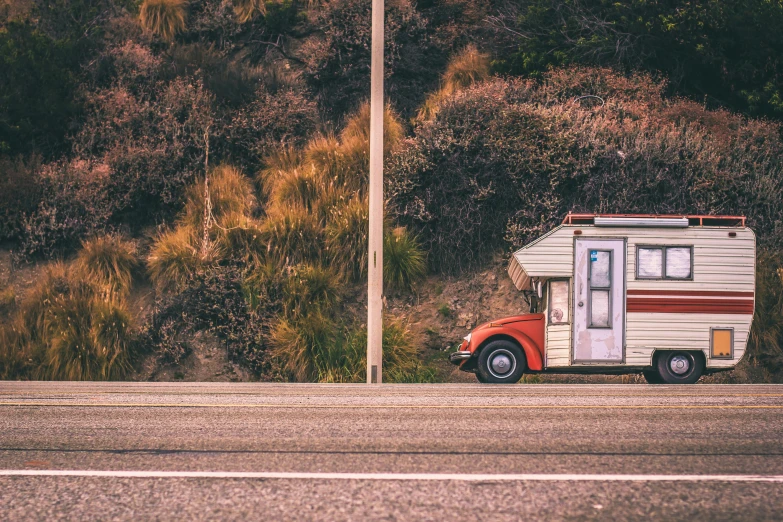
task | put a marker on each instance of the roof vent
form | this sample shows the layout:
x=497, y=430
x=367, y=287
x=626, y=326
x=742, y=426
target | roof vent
x=681, y=222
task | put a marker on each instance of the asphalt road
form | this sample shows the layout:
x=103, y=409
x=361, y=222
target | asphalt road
x=397, y=452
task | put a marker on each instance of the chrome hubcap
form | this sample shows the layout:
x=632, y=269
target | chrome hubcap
x=502, y=363
x=679, y=364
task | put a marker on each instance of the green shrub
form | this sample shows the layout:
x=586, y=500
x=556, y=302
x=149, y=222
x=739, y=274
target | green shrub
x=263, y=286
x=164, y=18
x=714, y=51
x=445, y=310
x=502, y=162
x=269, y=121
x=214, y=301
x=110, y=262
x=765, y=344
x=337, y=63
x=404, y=262
x=20, y=193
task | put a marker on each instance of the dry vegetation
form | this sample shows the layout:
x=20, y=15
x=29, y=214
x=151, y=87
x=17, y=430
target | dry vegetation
x=261, y=105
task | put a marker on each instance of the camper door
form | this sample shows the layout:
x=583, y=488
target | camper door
x=599, y=301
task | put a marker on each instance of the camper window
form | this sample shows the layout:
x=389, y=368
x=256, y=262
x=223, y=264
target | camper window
x=600, y=281
x=558, y=302
x=664, y=262
x=649, y=263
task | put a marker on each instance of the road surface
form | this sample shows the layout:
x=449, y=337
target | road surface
x=135, y=451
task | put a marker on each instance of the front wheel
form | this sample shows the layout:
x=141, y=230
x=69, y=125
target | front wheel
x=652, y=377
x=501, y=362
x=679, y=367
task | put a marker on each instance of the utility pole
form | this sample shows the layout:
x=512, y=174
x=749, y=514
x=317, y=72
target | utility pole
x=375, y=257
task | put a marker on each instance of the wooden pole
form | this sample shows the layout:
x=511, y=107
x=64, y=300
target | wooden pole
x=375, y=257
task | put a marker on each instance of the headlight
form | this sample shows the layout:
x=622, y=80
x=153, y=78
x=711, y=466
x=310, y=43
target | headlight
x=467, y=337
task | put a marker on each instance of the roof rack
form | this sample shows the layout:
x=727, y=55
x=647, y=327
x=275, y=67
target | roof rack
x=652, y=220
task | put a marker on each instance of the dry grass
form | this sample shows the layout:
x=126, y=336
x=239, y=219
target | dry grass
x=240, y=237
x=465, y=69
x=347, y=238
x=245, y=10
x=357, y=128
x=296, y=188
x=175, y=257
x=110, y=261
x=164, y=18
x=67, y=329
x=230, y=192
x=7, y=299
x=311, y=288
x=305, y=346
x=293, y=237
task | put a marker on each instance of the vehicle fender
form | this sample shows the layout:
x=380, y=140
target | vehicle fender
x=531, y=348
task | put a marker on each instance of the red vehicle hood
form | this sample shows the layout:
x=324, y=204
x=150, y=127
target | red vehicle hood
x=513, y=319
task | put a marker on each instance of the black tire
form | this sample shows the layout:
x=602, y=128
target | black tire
x=677, y=367
x=652, y=377
x=480, y=378
x=501, y=362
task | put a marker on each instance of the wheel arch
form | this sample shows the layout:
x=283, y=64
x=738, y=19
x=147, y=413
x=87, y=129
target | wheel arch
x=529, y=348
x=657, y=353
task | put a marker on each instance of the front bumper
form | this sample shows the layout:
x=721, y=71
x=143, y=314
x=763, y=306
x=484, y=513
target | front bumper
x=458, y=357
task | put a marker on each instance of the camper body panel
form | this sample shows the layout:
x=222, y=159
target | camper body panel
x=722, y=280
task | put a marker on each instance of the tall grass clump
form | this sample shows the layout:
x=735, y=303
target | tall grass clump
x=466, y=68
x=109, y=261
x=404, y=261
x=293, y=237
x=164, y=18
x=175, y=257
x=357, y=128
x=311, y=288
x=306, y=346
x=245, y=10
x=401, y=359
x=68, y=330
x=239, y=237
x=347, y=234
x=230, y=192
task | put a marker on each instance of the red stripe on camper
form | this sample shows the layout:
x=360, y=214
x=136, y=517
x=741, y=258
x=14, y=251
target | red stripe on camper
x=690, y=306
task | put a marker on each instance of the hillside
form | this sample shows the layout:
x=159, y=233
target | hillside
x=183, y=184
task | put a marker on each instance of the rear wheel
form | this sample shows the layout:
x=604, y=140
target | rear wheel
x=679, y=367
x=480, y=378
x=501, y=362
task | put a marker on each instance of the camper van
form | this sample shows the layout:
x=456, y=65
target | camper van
x=670, y=297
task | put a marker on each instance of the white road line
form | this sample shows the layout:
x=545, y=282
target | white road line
x=540, y=477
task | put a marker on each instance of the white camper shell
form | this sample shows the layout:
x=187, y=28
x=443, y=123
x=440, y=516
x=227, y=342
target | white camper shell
x=621, y=291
